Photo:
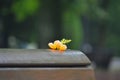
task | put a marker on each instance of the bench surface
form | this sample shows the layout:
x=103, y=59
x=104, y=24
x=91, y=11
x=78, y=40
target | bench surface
x=42, y=57
x=44, y=64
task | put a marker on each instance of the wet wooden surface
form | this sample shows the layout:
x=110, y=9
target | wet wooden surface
x=47, y=74
x=42, y=57
x=44, y=64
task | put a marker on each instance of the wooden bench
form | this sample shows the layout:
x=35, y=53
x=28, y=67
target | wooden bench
x=44, y=64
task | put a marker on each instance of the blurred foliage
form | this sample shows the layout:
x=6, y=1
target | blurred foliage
x=72, y=29
x=104, y=14
x=113, y=35
x=72, y=26
x=73, y=10
x=24, y=8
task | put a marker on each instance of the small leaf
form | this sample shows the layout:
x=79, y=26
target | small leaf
x=65, y=41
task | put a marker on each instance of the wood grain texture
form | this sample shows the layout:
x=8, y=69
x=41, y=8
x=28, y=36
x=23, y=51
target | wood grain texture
x=47, y=74
x=41, y=57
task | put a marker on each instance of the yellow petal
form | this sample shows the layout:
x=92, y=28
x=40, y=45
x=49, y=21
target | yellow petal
x=63, y=47
x=57, y=43
x=51, y=45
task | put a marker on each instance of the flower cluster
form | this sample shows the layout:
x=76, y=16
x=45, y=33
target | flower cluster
x=59, y=45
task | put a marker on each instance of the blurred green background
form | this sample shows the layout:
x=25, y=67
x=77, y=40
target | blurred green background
x=92, y=25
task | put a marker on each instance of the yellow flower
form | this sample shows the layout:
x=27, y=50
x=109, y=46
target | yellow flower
x=59, y=45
